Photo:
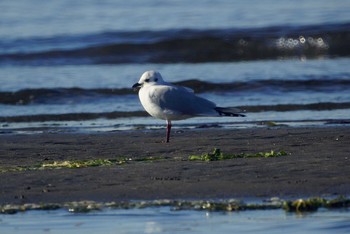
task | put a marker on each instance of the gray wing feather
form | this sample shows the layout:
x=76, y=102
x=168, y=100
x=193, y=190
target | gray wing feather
x=180, y=100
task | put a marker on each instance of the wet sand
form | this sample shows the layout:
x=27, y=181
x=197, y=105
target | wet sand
x=317, y=164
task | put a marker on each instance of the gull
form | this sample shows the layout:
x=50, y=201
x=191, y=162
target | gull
x=169, y=102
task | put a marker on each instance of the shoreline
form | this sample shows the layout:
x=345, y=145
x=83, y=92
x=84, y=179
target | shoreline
x=317, y=164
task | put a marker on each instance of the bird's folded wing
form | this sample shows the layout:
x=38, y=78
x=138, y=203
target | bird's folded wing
x=180, y=100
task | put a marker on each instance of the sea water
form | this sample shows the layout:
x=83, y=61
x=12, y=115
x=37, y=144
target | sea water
x=63, y=61
x=164, y=220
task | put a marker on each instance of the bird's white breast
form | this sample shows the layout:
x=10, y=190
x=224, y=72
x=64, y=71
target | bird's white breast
x=150, y=102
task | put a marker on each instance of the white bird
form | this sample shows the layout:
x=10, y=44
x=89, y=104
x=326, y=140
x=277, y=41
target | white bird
x=163, y=100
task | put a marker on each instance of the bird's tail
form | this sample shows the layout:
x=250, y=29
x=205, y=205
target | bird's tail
x=229, y=111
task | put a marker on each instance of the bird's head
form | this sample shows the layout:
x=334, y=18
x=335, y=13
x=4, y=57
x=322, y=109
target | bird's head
x=148, y=78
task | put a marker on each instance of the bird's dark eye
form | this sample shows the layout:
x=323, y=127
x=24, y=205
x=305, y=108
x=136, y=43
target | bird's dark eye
x=146, y=80
x=156, y=79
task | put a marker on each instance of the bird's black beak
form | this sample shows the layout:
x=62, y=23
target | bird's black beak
x=136, y=86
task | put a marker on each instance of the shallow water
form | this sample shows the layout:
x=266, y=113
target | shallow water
x=73, y=57
x=104, y=89
x=24, y=19
x=164, y=220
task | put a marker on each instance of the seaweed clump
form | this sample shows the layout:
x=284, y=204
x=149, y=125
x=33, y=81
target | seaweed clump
x=73, y=164
x=313, y=204
x=217, y=155
x=230, y=205
x=81, y=163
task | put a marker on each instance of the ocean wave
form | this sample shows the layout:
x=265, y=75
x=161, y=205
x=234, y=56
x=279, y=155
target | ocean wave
x=180, y=46
x=55, y=95
x=69, y=95
x=120, y=114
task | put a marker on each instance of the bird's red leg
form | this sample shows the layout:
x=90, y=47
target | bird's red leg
x=168, y=128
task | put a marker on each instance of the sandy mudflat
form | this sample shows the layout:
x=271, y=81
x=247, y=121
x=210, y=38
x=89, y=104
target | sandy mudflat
x=318, y=164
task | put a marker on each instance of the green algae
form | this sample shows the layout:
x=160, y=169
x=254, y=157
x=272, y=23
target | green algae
x=148, y=159
x=313, y=204
x=94, y=162
x=82, y=163
x=303, y=205
x=64, y=164
x=73, y=164
x=218, y=155
x=19, y=168
x=230, y=205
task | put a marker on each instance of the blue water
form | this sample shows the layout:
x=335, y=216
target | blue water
x=74, y=57
x=69, y=57
x=163, y=220
x=116, y=77
x=39, y=18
